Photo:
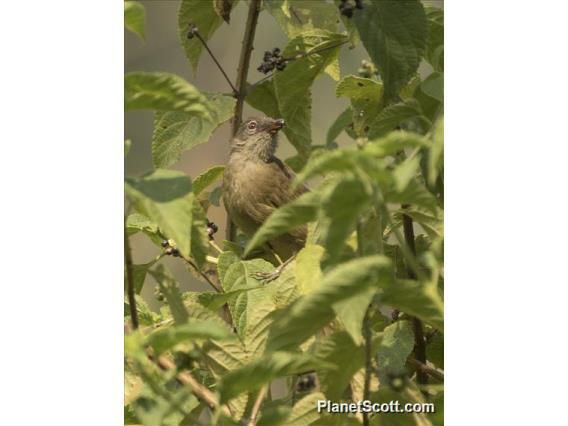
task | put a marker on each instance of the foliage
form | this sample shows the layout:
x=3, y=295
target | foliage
x=334, y=302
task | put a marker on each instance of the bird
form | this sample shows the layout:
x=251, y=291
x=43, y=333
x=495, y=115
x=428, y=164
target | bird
x=256, y=183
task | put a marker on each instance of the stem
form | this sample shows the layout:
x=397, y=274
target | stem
x=130, y=280
x=202, y=40
x=204, y=275
x=419, y=342
x=368, y=363
x=242, y=72
x=257, y=405
x=200, y=391
x=434, y=372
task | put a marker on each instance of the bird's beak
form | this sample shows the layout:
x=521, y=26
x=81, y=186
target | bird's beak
x=276, y=125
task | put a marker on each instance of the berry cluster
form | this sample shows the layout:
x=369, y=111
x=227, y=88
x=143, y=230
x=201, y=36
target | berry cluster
x=346, y=7
x=211, y=229
x=169, y=250
x=272, y=60
x=306, y=382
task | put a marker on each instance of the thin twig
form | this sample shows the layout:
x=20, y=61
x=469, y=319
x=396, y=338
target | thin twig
x=200, y=272
x=257, y=405
x=242, y=72
x=202, y=40
x=130, y=280
x=215, y=246
x=419, y=342
x=434, y=372
x=368, y=363
x=200, y=391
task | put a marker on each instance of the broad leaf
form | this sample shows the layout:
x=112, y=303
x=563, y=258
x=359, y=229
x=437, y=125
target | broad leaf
x=308, y=270
x=344, y=120
x=134, y=17
x=341, y=206
x=166, y=338
x=305, y=317
x=297, y=16
x=394, y=34
x=209, y=177
x=254, y=375
x=433, y=86
x=163, y=91
x=292, y=86
x=436, y=155
x=366, y=100
x=170, y=289
x=175, y=132
x=137, y=222
x=397, y=343
x=393, y=116
x=421, y=300
x=165, y=197
x=296, y=213
x=435, y=47
x=203, y=15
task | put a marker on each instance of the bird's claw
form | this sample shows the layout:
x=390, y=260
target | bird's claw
x=267, y=277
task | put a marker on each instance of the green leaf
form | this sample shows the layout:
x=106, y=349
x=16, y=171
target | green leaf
x=436, y=157
x=214, y=301
x=170, y=288
x=137, y=222
x=394, y=34
x=292, y=86
x=175, y=132
x=297, y=16
x=341, y=122
x=134, y=17
x=308, y=270
x=252, y=376
x=414, y=298
x=366, y=100
x=305, y=317
x=393, y=143
x=296, y=213
x=351, y=313
x=165, y=197
x=435, y=47
x=394, y=115
x=209, y=177
x=305, y=412
x=397, y=343
x=263, y=98
x=340, y=350
x=203, y=15
x=341, y=206
x=415, y=193
x=250, y=310
x=165, y=339
x=433, y=86
x=162, y=91
x=404, y=172
x=435, y=350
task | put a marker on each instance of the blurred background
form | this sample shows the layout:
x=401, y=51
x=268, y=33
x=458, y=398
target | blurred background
x=162, y=51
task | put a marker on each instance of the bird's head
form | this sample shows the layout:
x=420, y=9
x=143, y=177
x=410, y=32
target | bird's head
x=257, y=137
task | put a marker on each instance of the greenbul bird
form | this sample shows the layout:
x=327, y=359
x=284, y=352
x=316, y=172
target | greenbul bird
x=256, y=183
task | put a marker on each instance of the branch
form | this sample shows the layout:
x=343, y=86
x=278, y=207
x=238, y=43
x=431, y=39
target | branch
x=257, y=405
x=434, y=372
x=419, y=342
x=130, y=280
x=200, y=391
x=242, y=72
x=203, y=274
x=193, y=31
x=368, y=363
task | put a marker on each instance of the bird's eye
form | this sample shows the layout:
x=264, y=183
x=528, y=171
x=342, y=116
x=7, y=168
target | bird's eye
x=252, y=125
